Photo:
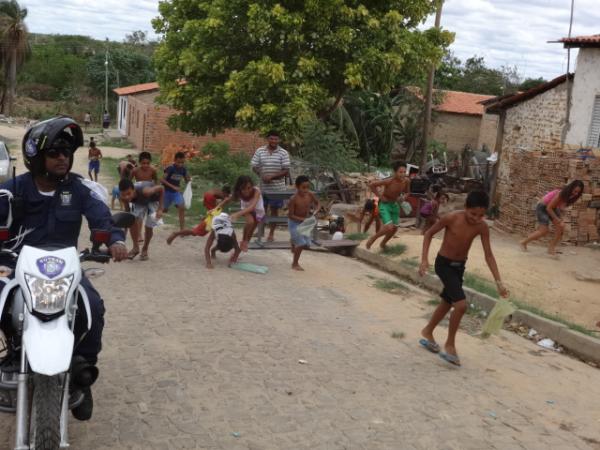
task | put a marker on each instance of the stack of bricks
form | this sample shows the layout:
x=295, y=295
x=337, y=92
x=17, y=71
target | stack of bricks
x=533, y=174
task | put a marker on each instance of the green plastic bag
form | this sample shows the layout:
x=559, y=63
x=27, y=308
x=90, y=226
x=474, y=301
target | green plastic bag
x=497, y=316
x=249, y=267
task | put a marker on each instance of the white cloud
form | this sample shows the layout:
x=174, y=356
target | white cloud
x=504, y=32
x=516, y=32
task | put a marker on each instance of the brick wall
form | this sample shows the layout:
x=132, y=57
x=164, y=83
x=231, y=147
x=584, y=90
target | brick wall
x=151, y=132
x=488, y=131
x=456, y=130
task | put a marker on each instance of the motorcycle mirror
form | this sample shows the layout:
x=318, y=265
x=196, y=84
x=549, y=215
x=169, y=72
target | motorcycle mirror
x=123, y=220
x=100, y=236
x=4, y=234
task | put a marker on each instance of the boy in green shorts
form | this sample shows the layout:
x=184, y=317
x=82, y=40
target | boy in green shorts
x=389, y=209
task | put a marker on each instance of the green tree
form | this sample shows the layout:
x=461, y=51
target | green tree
x=124, y=68
x=529, y=83
x=280, y=64
x=14, y=48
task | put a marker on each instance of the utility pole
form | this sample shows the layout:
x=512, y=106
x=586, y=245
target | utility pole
x=429, y=96
x=569, y=86
x=106, y=78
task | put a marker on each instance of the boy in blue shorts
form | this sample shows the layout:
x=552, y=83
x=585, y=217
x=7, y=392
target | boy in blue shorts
x=94, y=156
x=172, y=181
x=300, y=207
x=389, y=209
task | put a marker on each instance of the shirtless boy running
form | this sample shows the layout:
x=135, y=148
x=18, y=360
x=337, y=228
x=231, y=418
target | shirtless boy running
x=145, y=171
x=461, y=227
x=389, y=209
x=300, y=207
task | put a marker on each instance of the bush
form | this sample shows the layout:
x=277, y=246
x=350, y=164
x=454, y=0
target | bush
x=326, y=147
x=223, y=166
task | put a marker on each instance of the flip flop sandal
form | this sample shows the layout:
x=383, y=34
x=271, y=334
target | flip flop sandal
x=450, y=358
x=433, y=347
x=132, y=254
x=144, y=257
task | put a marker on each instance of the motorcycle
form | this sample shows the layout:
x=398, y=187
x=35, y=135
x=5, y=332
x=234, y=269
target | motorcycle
x=39, y=307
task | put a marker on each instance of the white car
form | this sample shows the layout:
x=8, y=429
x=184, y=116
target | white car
x=5, y=163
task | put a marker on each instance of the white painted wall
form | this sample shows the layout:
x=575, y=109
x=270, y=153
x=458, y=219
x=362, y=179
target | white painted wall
x=585, y=87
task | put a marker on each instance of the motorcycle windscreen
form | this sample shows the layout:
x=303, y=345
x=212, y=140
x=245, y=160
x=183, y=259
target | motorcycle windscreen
x=48, y=345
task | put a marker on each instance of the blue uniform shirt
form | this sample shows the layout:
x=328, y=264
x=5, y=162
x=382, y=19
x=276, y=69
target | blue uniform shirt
x=56, y=220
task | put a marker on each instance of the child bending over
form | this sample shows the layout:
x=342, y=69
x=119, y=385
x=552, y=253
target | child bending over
x=460, y=228
x=253, y=209
x=223, y=233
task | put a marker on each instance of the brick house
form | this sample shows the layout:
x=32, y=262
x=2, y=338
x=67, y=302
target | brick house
x=144, y=123
x=538, y=142
x=459, y=120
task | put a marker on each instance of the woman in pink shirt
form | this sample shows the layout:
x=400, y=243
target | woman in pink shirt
x=548, y=210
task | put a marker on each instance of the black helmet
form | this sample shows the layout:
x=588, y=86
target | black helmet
x=43, y=135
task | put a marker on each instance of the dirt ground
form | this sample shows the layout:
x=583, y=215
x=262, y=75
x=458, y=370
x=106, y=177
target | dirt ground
x=532, y=276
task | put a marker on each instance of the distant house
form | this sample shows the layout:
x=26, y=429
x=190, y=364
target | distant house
x=539, y=143
x=459, y=120
x=144, y=123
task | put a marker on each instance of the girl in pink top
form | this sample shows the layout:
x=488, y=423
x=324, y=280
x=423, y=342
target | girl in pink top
x=548, y=210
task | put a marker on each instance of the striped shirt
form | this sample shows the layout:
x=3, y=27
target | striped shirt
x=269, y=163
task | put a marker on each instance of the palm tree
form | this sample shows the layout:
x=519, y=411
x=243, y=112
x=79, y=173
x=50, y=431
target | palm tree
x=14, y=48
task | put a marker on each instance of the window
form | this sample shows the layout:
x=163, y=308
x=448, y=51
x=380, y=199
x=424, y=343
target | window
x=594, y=134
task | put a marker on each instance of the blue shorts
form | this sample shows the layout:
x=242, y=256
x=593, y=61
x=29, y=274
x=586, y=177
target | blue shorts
x=273, y=203
x=115, y=192
x=94, y=166
x=299, y=240
x=173, y=198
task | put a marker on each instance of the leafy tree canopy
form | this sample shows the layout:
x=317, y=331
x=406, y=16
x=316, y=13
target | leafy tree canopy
x=279, y=64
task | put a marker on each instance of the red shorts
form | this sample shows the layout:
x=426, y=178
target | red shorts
x=210, y=201
x=200, y=229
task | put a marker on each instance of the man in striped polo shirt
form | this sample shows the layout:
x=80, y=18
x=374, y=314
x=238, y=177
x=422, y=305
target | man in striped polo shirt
x=272, y=164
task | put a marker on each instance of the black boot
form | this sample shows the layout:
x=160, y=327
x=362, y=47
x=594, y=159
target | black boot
x=85, y=408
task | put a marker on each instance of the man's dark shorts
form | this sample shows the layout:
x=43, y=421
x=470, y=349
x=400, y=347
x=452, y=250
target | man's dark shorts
x=273, y=203
x=451, y=273
x=542, y=215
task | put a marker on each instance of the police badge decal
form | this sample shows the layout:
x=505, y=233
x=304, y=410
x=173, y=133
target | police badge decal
x=51, y=266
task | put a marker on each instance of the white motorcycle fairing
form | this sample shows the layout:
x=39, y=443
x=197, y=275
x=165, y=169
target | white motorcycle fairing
x=49, y=344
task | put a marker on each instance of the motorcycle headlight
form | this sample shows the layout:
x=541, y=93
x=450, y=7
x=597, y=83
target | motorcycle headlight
x=49, y=296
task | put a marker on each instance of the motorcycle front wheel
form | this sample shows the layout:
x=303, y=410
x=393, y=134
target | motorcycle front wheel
x=46, y=402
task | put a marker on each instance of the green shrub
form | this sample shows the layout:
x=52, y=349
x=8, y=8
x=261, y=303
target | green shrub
x=224, y=166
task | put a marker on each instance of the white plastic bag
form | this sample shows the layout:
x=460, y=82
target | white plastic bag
x=187, y=195
x=307, y=226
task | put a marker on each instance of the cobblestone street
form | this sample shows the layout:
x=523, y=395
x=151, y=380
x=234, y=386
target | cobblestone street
x=210, y=360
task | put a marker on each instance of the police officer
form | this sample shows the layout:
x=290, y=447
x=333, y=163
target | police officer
x=48, y=205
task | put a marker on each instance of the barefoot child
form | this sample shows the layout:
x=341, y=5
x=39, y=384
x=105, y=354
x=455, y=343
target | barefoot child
x=172, y=183
x=549, y=209
x=210, y=205
x=389, y=209
x=147, y=202
x=430, y=210
x=253, y=209
x=460, y=228
x=94, y=156
x=145, y=171
x=223, y=232
x=371, y=209
x=299, y=207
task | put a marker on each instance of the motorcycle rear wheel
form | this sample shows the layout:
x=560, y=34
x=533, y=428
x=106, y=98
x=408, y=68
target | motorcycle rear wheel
x=45, y=412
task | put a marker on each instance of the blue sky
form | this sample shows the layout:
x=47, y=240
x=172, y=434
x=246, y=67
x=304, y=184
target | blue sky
x=504, y=32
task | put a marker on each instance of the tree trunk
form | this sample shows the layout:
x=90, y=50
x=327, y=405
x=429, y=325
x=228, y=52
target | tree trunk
x=11, y=88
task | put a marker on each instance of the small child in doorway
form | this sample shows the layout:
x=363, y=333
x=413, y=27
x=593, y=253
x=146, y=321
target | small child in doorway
x=94, y=157
x=224, y=234
x=253, y=207
x=394, y=188
x=172, y=183
x=460, y=228
x=299, y=209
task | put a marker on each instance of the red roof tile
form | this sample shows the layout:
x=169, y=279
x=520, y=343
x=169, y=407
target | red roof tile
x=582, y=41
x=462, y=103
x=136, y=89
